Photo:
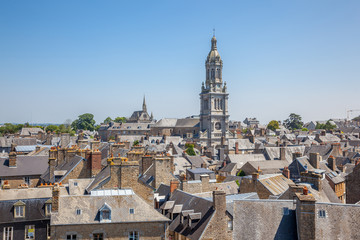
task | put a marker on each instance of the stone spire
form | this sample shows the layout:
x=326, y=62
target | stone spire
x=144, y=105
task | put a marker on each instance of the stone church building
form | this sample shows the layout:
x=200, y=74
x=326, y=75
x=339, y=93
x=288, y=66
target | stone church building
x=214, y=117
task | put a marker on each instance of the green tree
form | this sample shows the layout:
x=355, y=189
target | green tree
x=304, y=129
x=135, y=143
x=273, y=125
x=293, y=122
x=325, y=126
x=84, y=122
x=190, y=149
x=107, y=120
x=51, y=128
x=357, y=119
x=120, y=119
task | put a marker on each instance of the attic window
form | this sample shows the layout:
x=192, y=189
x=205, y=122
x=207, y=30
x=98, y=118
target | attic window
x=48, y=207
x=132, y=211
x=19, y=209
x=78, y=211
x=105, y=213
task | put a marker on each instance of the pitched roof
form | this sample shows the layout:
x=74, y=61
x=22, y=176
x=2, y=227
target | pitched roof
x=90, y=205
x=241, y=159
x=25, y=166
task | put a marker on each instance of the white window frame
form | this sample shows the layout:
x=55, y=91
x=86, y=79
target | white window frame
x=17, y=211
x=8, y=233
x=27, y=227
x=134, y=235
x=48, y=209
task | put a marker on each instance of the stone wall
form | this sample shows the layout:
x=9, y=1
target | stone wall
x=111, y=231
x=353, y=186
x=263, y=219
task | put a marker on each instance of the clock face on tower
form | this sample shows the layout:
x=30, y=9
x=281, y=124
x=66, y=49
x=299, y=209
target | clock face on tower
x=218, y=126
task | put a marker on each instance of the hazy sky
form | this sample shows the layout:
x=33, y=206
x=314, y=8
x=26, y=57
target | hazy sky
x=59, y=59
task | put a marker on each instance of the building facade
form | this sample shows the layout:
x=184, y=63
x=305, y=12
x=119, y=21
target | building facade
x=214, y=117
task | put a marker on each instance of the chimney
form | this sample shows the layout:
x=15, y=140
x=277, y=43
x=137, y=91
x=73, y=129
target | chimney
x=205, y=182
x=331, y=163
x=315, y=160
x=95, y=145
x=296, y=155
x=236, y=147
x=65, y=140
x=286, y=172
x=203, y=165
x=336, y=149
x=255, y=176
x=219, y=201
x=95, y=163
x=52, y=164
x=12, y=159
x=37, y=148
x=174, y=184
x=282, y=153
x=305, y=215
x=55, y=198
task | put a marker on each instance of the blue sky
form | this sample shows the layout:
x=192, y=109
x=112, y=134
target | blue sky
x=59, y=59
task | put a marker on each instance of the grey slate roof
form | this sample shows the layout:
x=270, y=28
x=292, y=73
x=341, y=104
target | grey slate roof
x=26, y=166
x=100, y=179
x=34, y=210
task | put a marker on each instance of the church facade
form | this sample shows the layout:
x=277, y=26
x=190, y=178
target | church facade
x=214, y=117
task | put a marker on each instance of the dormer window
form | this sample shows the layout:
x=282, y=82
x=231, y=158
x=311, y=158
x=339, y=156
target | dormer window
x=48, y=207
x=19, y=209
x=105, y=213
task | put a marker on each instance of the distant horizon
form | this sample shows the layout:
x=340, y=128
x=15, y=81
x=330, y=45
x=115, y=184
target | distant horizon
x=60, y=60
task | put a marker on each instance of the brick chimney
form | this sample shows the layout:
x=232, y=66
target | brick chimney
x=174, y=184
x=146, y=162
x=95, y=145
x=286, y=172
x=52, y=164
x=332, y=163
x=55, y=198
x=12, y=159
x=220, y=217
x=236, y=148
x=95, y=162
x=282, y=153
x=205, y=185
x=315, y=160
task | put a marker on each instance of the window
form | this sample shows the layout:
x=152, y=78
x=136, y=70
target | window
x=75, y=184
x=285, y=211
x=29, y=232
x=133, y=235
x=322, y=214
x=78, y=211
x=230, y=225
x=105, y=213
x=98, y=236
x=8, y=233
x=19, y=209
x=48, y=207
x=71, y=237
x=132, y=211
x=27, y=180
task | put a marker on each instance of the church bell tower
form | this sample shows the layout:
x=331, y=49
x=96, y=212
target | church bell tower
x=214, y=118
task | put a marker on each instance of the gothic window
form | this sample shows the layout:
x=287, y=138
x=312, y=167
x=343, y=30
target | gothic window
x=207, y=74
x=212, y=74
x=221, y=104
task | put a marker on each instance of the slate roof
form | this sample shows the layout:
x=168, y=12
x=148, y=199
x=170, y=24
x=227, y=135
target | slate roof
x=30, y=131
x=25, y=166
x=166, y=122
x=228, y=168
x=90, y=205
x=100, y=179
x=65, y=166
x=323, y=150
x=241, y=159
x=187, y=122
x=273, y=153
x=275, y=183
x=191, y=202
x=268, y=166
x=243, y=144
x=195, y=161
x=34, y=210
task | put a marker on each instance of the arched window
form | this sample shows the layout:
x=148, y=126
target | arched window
x=212, y=74
x=207, y=74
